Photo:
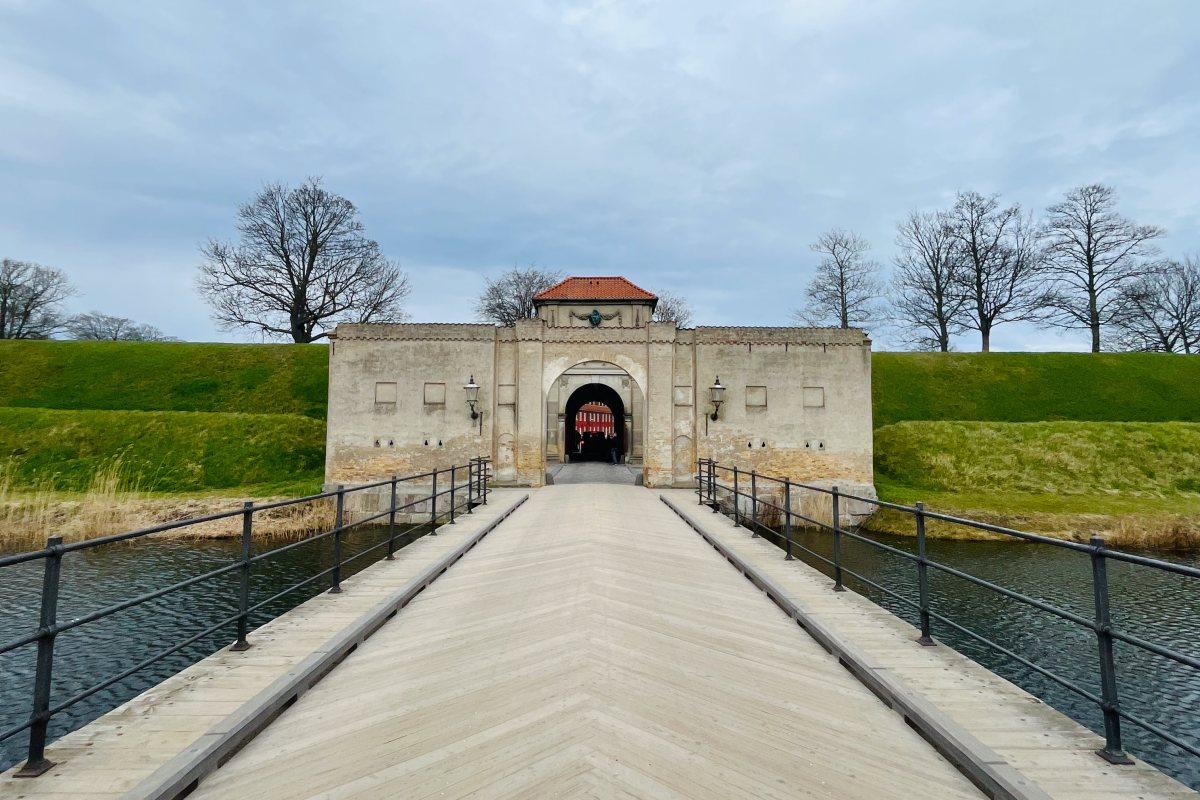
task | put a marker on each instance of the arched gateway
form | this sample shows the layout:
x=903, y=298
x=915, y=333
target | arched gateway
x=796, y=401
x=616, y=393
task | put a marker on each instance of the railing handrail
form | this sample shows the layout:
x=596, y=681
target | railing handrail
x=710, y=490
x=49, y=628
x=987, y=527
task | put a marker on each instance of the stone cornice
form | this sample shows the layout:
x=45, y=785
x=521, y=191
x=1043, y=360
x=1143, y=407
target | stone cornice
x=418, y=331
x=837, y=337
x=614, y=335
x=659, y=333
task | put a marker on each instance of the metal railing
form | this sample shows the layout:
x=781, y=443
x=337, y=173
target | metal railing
x=462, y=496
x=745, y=485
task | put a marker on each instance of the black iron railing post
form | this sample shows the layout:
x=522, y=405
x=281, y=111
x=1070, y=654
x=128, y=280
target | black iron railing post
x=701, y=479
x=453, y=469
x=787, y=518
x=339, y=515
x=391, y=554
x=923, y=577
x=737, y=514
x=712, y=486
x=483, y=478
x=243, y=622
x=1112, y=751
x=433, y=505
x=36, y=762
x=470, y=484
x=837, y=541
x=753, y=504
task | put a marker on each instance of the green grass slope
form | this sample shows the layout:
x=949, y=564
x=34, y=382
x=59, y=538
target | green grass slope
x=1033, y=387
x=1060, y=458
x=1137, y=483
x=160, y=451
x=165, y=376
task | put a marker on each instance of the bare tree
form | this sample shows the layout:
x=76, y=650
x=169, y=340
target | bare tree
x=1160, y=312
x=302, y=264
x=927, y=290
x=672, y=308
x=95, y=326
x=1093, y=255
x=31, y=298
x=1000, y=262
x=509, y=297
x=846, y=289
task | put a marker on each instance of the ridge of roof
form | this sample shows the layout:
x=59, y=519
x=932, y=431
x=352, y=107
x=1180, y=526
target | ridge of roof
x=595, y=287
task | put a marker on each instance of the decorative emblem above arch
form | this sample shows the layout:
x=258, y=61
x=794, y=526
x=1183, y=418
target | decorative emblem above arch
x=595, y=317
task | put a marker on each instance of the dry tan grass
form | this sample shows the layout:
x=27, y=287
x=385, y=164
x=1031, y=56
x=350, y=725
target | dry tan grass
x=1178, y=533
x=29, y=516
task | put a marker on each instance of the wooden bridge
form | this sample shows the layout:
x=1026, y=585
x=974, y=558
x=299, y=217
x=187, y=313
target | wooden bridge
x=587, y=641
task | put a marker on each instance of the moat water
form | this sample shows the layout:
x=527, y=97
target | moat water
x=102, y=576
x=1161, y=607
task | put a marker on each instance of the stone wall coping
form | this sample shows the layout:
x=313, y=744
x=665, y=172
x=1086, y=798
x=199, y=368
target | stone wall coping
x=446, y=331
x=654, y=332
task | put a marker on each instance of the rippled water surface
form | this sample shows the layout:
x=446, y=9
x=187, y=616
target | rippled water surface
x=95, y=578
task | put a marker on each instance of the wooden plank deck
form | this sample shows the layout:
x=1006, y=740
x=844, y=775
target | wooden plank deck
x=1051, y=751
x=592, y=646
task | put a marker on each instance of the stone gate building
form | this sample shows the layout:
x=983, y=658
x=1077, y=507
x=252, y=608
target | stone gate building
x=796, y=402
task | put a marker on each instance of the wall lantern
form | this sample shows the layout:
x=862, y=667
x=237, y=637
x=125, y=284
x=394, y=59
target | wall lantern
x=472, y=390
x=716, y=393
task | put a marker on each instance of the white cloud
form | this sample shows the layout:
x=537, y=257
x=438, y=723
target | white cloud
x=694, y=146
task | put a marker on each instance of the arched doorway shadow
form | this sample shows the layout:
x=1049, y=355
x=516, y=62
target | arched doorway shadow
x=592, y=444
x=626, y=401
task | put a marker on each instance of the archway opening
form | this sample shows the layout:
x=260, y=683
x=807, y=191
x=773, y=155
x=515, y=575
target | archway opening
x=595, y=424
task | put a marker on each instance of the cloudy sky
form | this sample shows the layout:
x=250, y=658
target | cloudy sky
x=694, y=146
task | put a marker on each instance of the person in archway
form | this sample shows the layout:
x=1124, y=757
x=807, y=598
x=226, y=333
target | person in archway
x=612, y=448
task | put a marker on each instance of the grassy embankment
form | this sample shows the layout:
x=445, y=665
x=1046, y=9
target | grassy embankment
x=97, y=436
x=1054, y=454
x=1067, y=444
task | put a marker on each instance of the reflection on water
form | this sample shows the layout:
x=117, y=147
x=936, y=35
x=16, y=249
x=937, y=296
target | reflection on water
x=101, y=576
x=1148, y=603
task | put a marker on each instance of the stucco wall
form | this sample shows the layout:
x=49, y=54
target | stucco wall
x=613, y=315
x=798, y=400
x=385, y=384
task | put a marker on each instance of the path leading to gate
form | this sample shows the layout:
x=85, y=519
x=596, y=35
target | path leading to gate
x=592, y=646
x=594, y=472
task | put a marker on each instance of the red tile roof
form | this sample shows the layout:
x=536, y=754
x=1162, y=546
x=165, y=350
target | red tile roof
x=595, y=288
x=596, y=408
